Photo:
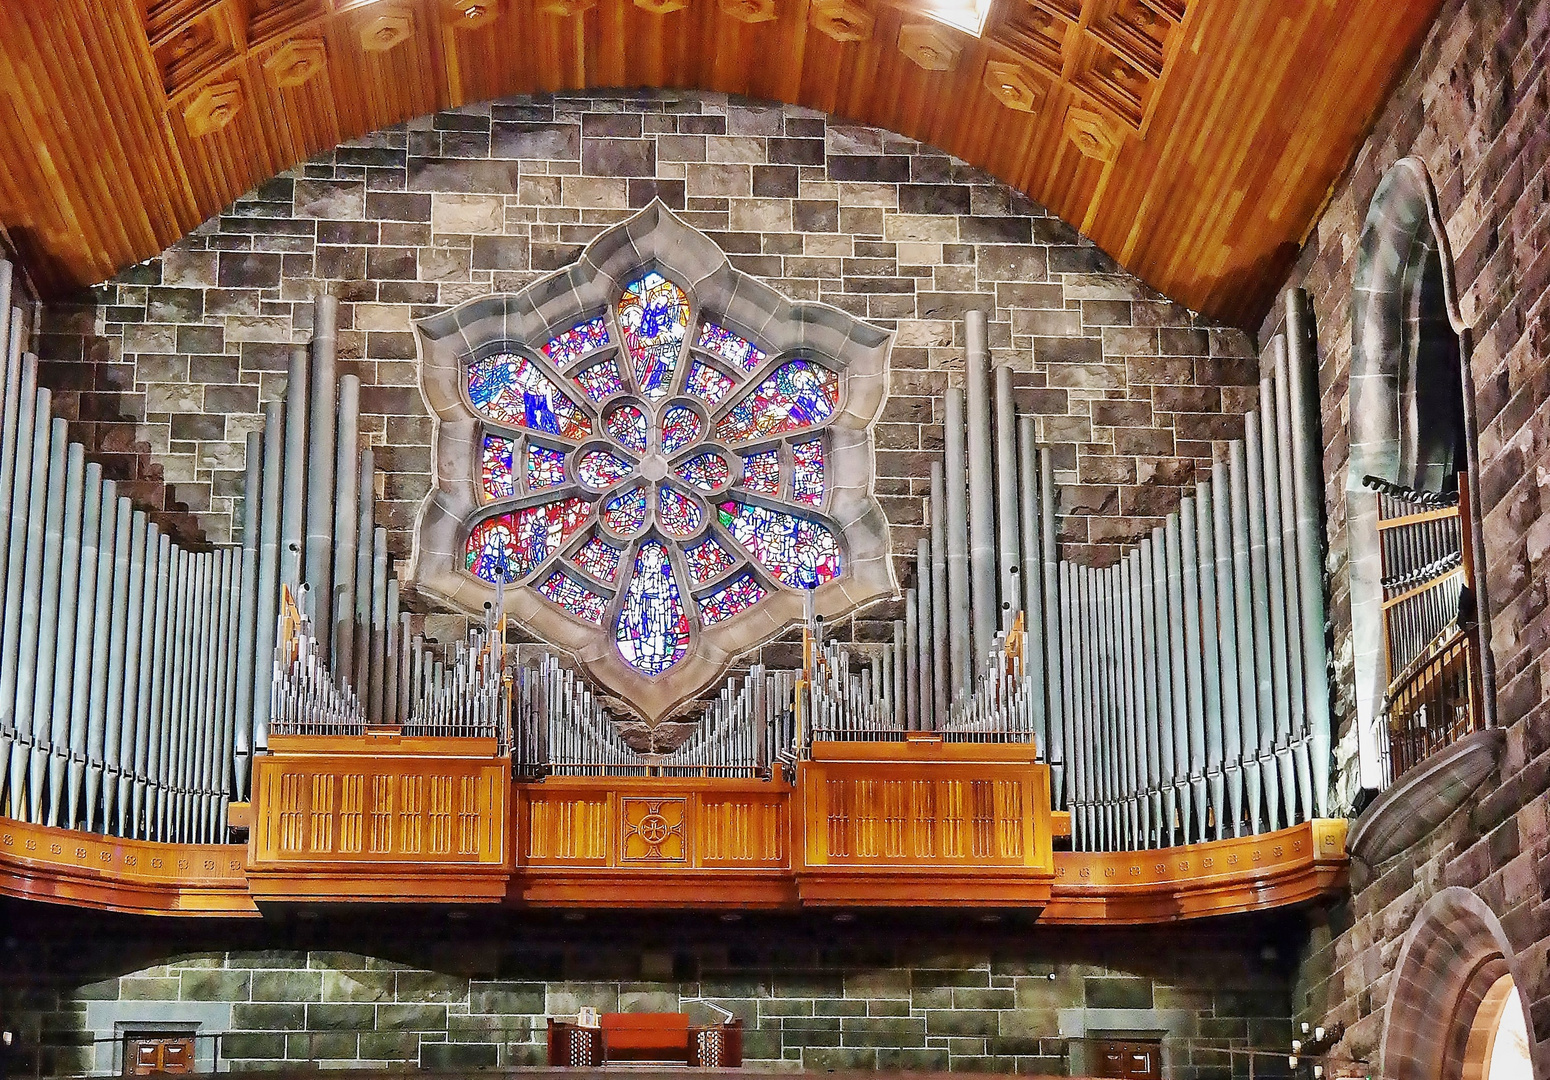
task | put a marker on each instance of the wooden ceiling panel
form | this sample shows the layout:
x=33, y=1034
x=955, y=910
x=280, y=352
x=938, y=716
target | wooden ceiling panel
x=1195, y=140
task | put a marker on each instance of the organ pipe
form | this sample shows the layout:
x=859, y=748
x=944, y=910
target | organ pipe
x=983, y=603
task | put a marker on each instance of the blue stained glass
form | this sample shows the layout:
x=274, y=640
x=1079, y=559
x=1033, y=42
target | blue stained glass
x=729, y=346
x=518, y=541
x=578, y=341
x=510, y=389
x=652, y=633
x=626, y=511
x=680, y=427
x=678, y=515
x=600, y=380
x=574, y=597
x=545, y=467
x=654, y=318
x=705, y=472
x=803, y=554
x=498, y=479
x=807, y=480
x=628, y=426
x=799, y=394
x=708, y=560
x=761, y=472
x=600, y=469
x=733, y=598
x=707, y=384
x=598, y=558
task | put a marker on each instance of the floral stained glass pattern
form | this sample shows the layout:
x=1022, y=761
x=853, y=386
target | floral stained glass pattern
x=510, y=389
x=707, y=384
x=518, y=541
x=627, y=425
x=599, y=469
x=730, y=347
x=652, y=633
x=497, y=480
x=807, y=472
x=708, y=560
x=733, y=598
x=803, y=554
x=678, y=515
x=600, y=380
x=626, y=511
x=575, y=597
x=797, y=395
x=578, y=341
x=705, y=472
x=761, y=472
x=545, y=467
x=654, y=318
x=680, y=427
x=599, y=558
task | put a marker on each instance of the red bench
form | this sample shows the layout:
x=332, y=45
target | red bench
x=657, y=1038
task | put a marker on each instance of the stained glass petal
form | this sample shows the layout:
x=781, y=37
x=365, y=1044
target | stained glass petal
x=654, y=318
x=708, y=560
x=680, y=427
x=628, y=426
x=599, y=469
x=580, y=601
x=707, y=384
x=600, y=380
x=733, y=598
x=652, y=633
x=803, y=554
x=729, y=346
x=579, y=340
x=517, y=541
x=705, y=471
x=510, y=389
x=797, y=395
x=678, y=515
x=545, y=467
x=626, y=511
x=497, y=478
x=807, y=478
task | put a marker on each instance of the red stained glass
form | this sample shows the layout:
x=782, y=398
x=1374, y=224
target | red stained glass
x=733, y=598
x=797, y=395
x=574, y=597
x=807, y=480
x=628, y=426
x=497, y=480
x=517, y=541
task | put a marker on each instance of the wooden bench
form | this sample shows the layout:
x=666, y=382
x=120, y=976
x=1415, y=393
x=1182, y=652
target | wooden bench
x=652, y=1038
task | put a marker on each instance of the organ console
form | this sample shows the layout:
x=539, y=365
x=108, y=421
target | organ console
x=1169, y=711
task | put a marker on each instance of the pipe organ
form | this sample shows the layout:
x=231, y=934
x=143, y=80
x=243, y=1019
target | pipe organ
x=1176, y=697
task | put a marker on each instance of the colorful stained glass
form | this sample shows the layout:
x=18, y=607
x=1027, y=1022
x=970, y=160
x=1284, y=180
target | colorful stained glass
x=705, y=472
x=733, y=598
x=761, y=472
x=545, y=467
x=653, y=317
x=730, y=347
x=678, y=515
x=497, y=480
x=600, y=469
x=799, y=394
x=578, y=341
x=708, y=560
x=807, y=472
x=801, y=553
x=574, y=597
x=600, y=380
x=652, y=633
x=510, y=389
x=518, y=541
x=680, y=427
x=628, y=426
x=626, y=511
x=706, y=383
x=599, y=558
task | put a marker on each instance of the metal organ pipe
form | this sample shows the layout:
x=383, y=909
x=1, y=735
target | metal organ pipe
x=957, y=626
x=346, y=528
x=1275, y=560
x=1008, y=501
x=982, y=511
x=321, y=437
x=293, y=472
x=941, y=668
x=1259, y=586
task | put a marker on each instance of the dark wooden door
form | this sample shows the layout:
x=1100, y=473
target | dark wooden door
x=145, y=1055
x=1136, y=1059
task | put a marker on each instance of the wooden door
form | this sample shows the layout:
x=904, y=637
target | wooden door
x=145, y=1055
x=1138, y=1060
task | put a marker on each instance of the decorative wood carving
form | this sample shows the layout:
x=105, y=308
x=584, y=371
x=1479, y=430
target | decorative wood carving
x=296, y=63
x=931, y=46
x=1093, y=133
x=749, y=11
x=387, y=30
x=842, y=20
x=469, y=14
x=661, y=7
x=212, y=108
x=1014, y=86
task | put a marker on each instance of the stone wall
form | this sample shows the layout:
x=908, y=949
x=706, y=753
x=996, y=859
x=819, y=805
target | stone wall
x=1473, y=109
x=883, y=991
x=1130, y=388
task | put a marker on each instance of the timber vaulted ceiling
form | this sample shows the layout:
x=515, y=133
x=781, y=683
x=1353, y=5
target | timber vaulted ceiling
x=1194, y=140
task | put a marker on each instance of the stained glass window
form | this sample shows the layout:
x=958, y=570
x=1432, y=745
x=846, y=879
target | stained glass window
x=705, y=472
x=600, y=469
x=599, y=558
x=707, y=384
x=733, y=598
x=575, y=597
x=708, y=560
x=801, y=553
x=628, y=425
x=518, y=541
x=729, y=346
x=761, y=472
x=680, y=427
x=678, y=515
x=510, y=389
x=799, y=394
x=545, y=467
x=626, y=511
x=653, y=630
x=807, y=472
x=653, y=317
x=578, y=341
x=496, y=477
x=600, y=380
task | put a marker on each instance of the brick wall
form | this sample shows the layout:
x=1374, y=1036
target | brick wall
x=1473, y=109
x=885, y=991
x=1130, y=388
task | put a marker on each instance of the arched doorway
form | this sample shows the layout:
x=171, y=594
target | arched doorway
x=1497, y=1048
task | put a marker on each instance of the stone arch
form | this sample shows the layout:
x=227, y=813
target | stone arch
x=1453, y=957
x=1411, y=417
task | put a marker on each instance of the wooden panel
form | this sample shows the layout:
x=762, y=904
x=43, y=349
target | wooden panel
x=1195, y=141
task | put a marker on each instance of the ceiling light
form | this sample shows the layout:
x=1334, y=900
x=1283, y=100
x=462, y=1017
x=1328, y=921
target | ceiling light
x=966, y=15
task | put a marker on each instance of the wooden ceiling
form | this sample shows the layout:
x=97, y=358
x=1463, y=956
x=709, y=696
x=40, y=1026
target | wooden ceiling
x=1194, y=140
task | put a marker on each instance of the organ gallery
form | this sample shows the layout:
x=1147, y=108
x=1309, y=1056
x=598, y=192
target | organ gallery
x=908, y=568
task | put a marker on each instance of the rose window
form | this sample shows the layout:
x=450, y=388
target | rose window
x=659, y=475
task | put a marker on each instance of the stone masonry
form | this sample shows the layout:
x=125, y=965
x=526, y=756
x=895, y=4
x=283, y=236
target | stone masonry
x=1473, y=109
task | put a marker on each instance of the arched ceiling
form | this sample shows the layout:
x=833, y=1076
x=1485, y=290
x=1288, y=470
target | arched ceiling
x=1194, y=140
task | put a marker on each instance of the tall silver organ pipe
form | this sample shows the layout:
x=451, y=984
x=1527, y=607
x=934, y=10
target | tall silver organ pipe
x=983, y=602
